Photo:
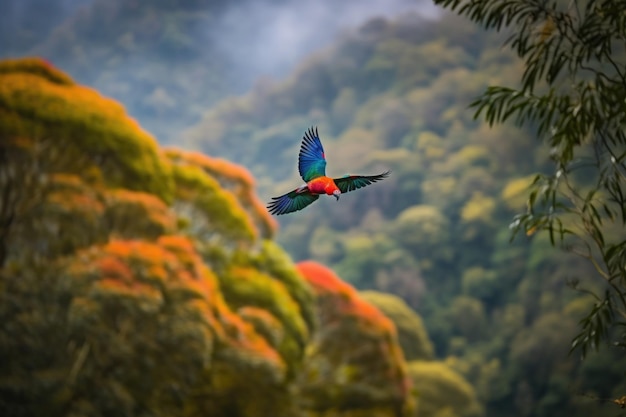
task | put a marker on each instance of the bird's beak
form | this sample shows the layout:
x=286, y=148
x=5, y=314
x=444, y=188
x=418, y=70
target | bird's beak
x=336, y=196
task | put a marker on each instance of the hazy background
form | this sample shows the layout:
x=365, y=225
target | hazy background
x=129, y=50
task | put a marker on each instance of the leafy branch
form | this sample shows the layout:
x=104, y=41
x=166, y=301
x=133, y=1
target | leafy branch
x=573, y=94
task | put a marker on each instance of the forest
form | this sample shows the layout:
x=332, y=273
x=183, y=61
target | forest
x=141, y=274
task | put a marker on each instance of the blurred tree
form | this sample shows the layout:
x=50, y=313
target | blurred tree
x=424, y=230
x=480, y=283
x=536, y=352
x=442, y=392
x=573, y=92
x=467, y=315
x=412, y=334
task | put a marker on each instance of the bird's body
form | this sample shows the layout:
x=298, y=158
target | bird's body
x=312, y=168
x=322, y=185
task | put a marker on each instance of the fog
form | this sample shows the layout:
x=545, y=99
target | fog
x=169, y=61
x=258, y=38
x=269, y=38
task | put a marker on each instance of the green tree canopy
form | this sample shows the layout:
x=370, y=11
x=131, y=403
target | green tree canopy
x=573, y=94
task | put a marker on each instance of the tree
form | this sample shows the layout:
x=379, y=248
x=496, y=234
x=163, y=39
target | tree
x=412, y=334
x=442, y=391
x=572, y=94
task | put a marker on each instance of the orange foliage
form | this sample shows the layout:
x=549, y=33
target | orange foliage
x=138, y=250
x=147, y=204
x=345, y=298
x=119, y=248
x=324, y=280
x=78, y=96
x=244, y=336
x=67, y=180
x=358, y=336
x=130, y=268
x=134, y=197
x=77, y=202
x=72, y=194
x=112, y=267
x=183, y=248
x=133, y=289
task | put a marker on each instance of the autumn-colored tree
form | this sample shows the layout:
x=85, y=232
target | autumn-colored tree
x=354, y=365
x=121, y=268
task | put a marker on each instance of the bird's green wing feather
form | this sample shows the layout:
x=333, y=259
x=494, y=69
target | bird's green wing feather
x=292, y=201
x=354, y=182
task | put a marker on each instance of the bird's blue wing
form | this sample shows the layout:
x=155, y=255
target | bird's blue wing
x=292, y=201
x=353, y=182
x=311, y=160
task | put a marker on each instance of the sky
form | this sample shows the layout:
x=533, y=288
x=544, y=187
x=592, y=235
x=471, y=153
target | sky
x=261, y=37
x=249, y=40
x=272, y=37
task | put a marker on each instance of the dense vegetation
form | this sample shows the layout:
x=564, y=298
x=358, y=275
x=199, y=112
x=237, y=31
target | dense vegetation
x=394, y=95
x=139, y=281
x=145, y=281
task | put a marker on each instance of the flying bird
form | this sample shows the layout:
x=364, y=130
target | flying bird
x=312, y=168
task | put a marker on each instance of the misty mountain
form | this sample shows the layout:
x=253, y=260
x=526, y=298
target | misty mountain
x=167, y=61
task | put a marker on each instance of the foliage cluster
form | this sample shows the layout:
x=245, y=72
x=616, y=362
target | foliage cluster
x=573, y=94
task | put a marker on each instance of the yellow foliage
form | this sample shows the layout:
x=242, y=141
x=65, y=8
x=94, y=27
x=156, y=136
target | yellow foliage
x=248, y=286
x=431, y=145
x=470, y=155
x=439, y=189
x=515, y=192
x=479, y=208
x=36, y=66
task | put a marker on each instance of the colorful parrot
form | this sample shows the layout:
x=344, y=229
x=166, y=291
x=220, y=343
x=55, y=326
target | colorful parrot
x=312, y=167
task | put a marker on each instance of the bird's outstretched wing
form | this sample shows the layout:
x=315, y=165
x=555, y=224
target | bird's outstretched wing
x=311, y=160
x=353, y=182
x=292, y=201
